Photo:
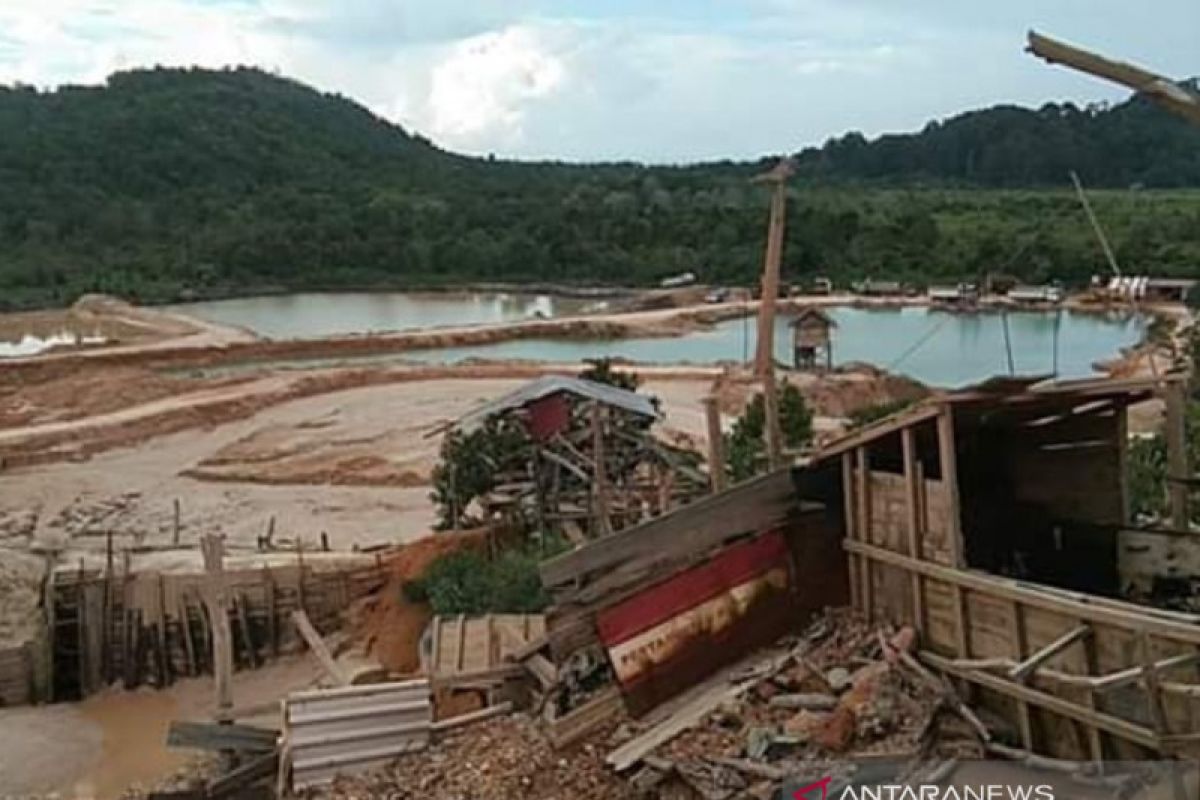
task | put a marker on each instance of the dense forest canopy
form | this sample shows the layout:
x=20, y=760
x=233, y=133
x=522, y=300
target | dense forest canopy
x=175, y=183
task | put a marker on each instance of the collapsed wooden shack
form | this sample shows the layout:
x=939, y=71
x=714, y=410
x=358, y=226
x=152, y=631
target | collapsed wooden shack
x=996, y=522
x=584, y=460
x=659, y=606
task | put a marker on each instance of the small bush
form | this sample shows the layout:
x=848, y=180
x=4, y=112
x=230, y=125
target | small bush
x=469, y=583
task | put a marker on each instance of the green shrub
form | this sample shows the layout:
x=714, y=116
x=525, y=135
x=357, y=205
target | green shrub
x=745, y=447
x=470, y=583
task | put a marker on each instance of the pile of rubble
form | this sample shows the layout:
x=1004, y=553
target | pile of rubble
x=507, y=757
x=844, y=693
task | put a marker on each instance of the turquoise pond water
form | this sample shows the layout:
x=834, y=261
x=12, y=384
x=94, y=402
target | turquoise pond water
x=934, y=347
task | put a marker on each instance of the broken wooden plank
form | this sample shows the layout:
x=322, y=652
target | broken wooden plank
x=580, y=722
x=221, y=736
x=685, y=717
x=498, y=710
x=233, y=783
x=1023, y=670
x=317, y=645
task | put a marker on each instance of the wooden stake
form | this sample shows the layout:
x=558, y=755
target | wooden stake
x=244, y=628
x=175, y=529
x=272, y=620
x=716, y=444
x=1177, y=460
x=217, y=600
x=600, y=475
x=185, y=631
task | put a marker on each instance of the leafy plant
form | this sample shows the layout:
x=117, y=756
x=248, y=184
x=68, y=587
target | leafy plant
x=745, y=446
x=468, y=466
x=469, y=583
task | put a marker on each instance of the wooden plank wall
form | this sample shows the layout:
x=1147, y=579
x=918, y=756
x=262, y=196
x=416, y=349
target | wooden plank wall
x=1108, y=694
x=16, y=676
x=153, y=627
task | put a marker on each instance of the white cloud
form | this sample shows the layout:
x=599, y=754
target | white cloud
x=480, y=92
x=673, y=80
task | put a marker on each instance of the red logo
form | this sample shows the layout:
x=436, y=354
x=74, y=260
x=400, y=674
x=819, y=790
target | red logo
x=803, y=792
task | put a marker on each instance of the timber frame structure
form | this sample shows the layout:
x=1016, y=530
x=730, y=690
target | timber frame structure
x=995, y=522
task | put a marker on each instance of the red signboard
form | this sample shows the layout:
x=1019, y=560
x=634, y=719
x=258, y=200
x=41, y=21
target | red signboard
x=681, y=629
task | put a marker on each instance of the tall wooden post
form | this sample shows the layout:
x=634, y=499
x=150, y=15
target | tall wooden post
x=1175, y=395
x=716, y=444
x=764, y=353
x=216, y=597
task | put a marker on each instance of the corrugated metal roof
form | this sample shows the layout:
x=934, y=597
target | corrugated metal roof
x=553, y=384
x=994, y=392
x=353, y=729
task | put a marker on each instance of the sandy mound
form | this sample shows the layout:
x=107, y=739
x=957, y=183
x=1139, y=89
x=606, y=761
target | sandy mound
x=388, y=626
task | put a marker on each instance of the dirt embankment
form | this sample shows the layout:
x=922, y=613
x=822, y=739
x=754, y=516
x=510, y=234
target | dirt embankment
x=835, y=394
x=388, y=626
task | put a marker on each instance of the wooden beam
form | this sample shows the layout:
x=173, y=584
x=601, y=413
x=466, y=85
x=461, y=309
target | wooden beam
x=315, y=643
x=690, y=714
x=216, y=597
x=1017, y=631
x=716, y=444
x=851, y=526
x=498, y=710
x=600, y=475
x=1114, y=725
x=1123, y=615
x=862, y=490
x=948, y=466
x=1022, y=671
x=1177, y=458
x=750, y=506
x=913, y=507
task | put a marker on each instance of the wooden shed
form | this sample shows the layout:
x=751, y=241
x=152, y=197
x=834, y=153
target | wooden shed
x=995, y=521
x=811, y=339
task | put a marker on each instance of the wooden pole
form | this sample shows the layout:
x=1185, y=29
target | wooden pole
x=106, y=612
x=176, y=527
x=764, y=352
x=771, y=429
x=716, y=444
x=217, y=599
x=1177, y=458
x=600, y=476
x=913, y=507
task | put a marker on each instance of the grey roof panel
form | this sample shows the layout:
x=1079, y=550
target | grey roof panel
x=553, y=384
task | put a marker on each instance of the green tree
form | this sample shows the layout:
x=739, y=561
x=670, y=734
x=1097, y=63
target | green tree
x=745, y=447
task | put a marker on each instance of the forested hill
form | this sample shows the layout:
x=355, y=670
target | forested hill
x=1132, y=143
x=176, y=183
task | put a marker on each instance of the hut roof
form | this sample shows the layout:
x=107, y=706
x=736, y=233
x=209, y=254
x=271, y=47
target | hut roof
x=629, y=401
x=813, y=312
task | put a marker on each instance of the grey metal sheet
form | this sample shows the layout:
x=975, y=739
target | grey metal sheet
x=353, y=729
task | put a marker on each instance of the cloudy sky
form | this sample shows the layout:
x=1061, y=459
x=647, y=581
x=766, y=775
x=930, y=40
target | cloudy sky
x=659, y=80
